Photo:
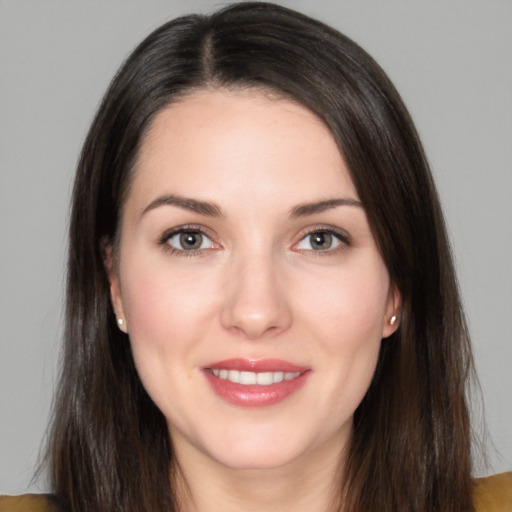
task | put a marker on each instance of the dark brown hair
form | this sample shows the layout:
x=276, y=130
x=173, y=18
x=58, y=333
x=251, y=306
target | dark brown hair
x=109, y=446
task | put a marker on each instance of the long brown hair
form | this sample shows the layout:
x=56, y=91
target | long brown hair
x=109, y=447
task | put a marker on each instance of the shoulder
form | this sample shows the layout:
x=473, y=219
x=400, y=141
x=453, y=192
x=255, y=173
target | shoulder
x=493, y=493
x=28, y=503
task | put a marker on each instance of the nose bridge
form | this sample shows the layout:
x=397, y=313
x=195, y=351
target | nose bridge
x=255, y=303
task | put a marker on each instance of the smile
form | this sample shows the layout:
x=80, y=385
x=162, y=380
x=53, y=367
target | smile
x=254, y=378
x=255, y=383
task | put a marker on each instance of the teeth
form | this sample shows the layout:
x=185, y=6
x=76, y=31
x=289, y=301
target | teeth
x=278, y=376
x=251, y=378
x=247, y=378
x=265, y=378
x=234, y=376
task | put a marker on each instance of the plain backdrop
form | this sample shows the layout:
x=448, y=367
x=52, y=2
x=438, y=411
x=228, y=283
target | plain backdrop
x=451, y=61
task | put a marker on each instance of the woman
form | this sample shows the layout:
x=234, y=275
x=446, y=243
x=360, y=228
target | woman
x=262, y=310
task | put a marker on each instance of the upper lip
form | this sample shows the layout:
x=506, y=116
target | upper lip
x=257, y=365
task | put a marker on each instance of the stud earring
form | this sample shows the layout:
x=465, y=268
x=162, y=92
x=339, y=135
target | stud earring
x=392, y=320
x=120, y=322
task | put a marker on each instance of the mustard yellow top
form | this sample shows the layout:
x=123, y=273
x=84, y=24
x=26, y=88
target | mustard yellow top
x=491, y=494
x=27, y=503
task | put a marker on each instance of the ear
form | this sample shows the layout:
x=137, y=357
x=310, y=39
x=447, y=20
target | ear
x=393, y=312
x=113, y=279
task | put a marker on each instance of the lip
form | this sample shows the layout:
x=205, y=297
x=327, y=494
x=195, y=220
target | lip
x=257, y=365
x=253, y=395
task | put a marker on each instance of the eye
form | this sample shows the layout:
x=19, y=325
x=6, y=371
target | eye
x=187, y=240
x=322, y=240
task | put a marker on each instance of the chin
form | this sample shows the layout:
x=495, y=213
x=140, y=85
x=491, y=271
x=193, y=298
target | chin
x=266, y=460
x=272, y=450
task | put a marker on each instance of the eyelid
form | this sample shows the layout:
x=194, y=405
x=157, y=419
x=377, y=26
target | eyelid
x=342, y=235
x=194, y=228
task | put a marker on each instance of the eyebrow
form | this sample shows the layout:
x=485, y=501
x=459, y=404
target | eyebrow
x=303, y=210
x=187, y=203
x=212, y=210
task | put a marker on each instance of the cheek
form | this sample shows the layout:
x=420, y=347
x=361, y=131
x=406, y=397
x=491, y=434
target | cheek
x=346, y=316
x=167, y=312
x=352, y=334
x=348, y=307
x=163, y=300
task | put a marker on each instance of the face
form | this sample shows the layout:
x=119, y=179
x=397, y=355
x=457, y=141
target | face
x=249, y=281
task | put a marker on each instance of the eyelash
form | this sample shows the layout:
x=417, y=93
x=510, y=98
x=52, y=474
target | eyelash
x=342, y=237
x=167, y=235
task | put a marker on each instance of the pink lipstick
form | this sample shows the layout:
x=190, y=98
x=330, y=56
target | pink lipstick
x=255, y=383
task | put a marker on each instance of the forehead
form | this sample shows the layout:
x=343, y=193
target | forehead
x=216, y=144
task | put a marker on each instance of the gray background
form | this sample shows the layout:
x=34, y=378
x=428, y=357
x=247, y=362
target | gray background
x=451, y=61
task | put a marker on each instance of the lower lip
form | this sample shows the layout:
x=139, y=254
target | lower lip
x=253, y=395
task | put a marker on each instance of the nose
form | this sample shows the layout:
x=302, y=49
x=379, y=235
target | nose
x=255, y=303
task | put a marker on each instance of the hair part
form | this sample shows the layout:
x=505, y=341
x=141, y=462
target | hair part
x=109, y=447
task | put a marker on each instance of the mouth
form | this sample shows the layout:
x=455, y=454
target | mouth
x=253, y=378
x=255, y=383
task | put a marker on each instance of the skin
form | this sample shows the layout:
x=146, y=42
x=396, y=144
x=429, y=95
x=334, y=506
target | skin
x=255, y=289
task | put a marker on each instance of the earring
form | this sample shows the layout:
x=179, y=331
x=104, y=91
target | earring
x=120, y=322
x=392, y=320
